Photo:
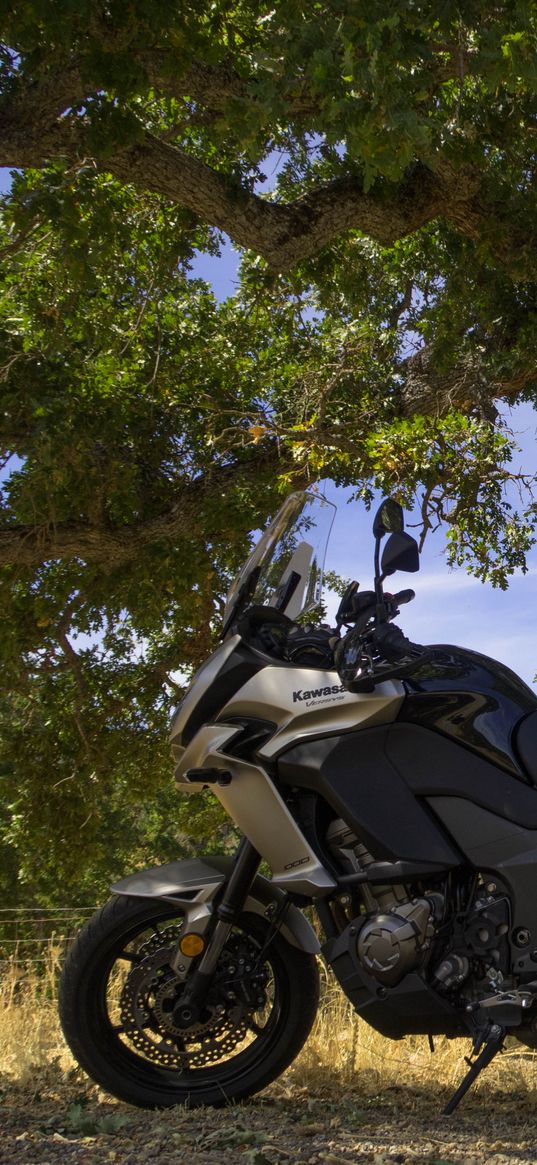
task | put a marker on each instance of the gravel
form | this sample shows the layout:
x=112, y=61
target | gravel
x=61, y=1119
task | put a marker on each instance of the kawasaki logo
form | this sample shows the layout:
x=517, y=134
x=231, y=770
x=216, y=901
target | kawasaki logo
x=316, y=693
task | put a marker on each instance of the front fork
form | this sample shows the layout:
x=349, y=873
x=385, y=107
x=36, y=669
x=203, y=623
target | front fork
x=247, y=863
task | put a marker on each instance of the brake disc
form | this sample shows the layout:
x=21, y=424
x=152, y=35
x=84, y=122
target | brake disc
x=151, y=991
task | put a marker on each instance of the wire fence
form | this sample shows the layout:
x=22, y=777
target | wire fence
x=35, y=938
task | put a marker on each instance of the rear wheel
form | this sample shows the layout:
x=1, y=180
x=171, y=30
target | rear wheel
x=121, y=1016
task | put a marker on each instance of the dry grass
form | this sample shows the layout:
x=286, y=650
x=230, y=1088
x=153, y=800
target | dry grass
x=343, y=1046
x=30, y=1035
x=340, y=1047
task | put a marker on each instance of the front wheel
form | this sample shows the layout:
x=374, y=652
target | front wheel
x=119, y=1013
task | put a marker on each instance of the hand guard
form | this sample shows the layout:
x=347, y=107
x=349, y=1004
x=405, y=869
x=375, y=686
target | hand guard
x=386, y=654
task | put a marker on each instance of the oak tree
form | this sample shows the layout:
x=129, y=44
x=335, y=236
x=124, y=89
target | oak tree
x=376, y=167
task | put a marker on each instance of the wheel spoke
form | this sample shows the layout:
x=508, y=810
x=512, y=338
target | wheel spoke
x=255, y=1027
x=129, y=957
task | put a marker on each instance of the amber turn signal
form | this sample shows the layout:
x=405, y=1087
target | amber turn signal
x=191, y=945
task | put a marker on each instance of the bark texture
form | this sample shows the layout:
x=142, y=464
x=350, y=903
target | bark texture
x=112, y=546
x=42, y=119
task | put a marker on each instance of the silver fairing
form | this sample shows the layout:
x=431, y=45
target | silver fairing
x=202, y=681
x=302, y=703
x=254, y=803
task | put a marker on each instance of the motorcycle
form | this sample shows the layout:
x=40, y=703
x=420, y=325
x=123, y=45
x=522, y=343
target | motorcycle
x=389, y=786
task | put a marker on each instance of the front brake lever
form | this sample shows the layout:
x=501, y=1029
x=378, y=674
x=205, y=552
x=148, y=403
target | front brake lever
x=361, y=671
x=387, y=671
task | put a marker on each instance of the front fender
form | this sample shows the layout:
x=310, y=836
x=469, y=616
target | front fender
x=195, y=882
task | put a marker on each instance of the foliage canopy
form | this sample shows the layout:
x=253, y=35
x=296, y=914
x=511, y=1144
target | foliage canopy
x=377, y=167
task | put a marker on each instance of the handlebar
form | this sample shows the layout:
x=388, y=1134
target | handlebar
x=368, y=654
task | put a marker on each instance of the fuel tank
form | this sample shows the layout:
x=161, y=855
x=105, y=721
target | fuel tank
x=477, y=702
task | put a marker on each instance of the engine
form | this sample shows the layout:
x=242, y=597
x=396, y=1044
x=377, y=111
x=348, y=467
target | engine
x=396, y=936
x=478, y=954
x=397, y=930
x=391, y=945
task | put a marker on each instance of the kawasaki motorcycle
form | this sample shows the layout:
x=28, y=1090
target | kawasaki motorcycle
x=388, y=786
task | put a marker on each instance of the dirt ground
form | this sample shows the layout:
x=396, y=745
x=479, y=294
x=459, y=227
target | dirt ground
x=60, y=1121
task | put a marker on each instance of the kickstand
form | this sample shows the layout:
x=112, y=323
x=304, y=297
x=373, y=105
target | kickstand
x=493, y=1044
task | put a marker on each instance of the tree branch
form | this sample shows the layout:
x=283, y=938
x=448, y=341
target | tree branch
x=37, y=126
x=34, y=127
x=112, y=547
x=284, y=233
x=463, y=386
x=207, y=84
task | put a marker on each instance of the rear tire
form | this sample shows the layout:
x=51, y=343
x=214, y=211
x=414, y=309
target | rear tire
x=238, y=1048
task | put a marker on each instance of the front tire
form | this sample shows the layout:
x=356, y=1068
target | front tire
x=117, y=995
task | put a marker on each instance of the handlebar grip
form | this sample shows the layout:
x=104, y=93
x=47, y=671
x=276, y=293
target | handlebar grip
x=394, y=646
x=404, y=597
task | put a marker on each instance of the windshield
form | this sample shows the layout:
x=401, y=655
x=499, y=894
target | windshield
x=285, y=570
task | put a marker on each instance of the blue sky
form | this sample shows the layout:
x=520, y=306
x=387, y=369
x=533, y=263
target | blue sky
x=450, y=606
x=5, y=179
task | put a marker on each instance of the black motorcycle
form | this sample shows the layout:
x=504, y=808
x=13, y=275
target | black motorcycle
x=390, y=786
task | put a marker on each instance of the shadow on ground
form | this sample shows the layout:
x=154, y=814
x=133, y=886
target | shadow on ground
x=55, y=1118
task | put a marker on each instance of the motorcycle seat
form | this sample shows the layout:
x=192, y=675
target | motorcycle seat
x=526, y=744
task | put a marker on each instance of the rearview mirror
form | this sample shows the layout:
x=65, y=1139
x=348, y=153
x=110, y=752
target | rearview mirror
x=400, y=553
x=389, y=519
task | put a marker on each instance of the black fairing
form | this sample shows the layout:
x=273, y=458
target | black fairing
x=410, y=1007
x=379, y=780
x=526, y=744
x=475, y=701
x=355, y=775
